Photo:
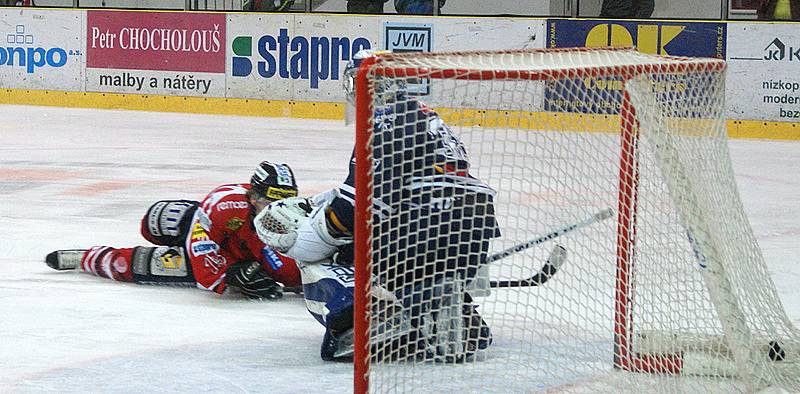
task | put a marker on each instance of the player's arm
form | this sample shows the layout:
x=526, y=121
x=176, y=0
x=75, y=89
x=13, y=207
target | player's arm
x=217, y=269
x=209, y=261
x=252, y=280
x=316, y=234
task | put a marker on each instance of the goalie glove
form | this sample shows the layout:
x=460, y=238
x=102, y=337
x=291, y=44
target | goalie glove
x=314, y=241
x=252, y=281
x=277, y=224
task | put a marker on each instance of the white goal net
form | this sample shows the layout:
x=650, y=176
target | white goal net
x=557, y=221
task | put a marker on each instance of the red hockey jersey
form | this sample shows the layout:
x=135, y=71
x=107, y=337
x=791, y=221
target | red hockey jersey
x=222, y=234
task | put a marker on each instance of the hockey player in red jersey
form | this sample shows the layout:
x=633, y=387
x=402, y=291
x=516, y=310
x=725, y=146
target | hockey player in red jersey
x=211, y=244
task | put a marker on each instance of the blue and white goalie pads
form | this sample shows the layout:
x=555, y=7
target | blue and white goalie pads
x=328, y=290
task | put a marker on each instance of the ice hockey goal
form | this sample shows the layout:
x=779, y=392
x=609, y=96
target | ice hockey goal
x=609, y=164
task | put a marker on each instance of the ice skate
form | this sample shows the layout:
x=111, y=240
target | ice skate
x=337, y=346
x=68, y=259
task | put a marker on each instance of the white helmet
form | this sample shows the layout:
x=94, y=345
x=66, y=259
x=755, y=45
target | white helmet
x=349, y=73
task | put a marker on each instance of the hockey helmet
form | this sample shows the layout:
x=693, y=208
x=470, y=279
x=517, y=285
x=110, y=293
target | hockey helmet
x=350, y=70
x=273, y=181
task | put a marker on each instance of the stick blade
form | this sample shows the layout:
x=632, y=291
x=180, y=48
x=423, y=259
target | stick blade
x=604, y=214
x=557, y=257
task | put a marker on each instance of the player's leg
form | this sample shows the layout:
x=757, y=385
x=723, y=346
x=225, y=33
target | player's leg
x=446, y=324
x=434, y=306
x=463, y=261
x=328, y=291
x=142, y=264
x=67, y=259
x=167, y=222
x=449, y=327
x=162, y=265
x=330, y=299
x=478, y=335
x=418, y=7
x=103, y=261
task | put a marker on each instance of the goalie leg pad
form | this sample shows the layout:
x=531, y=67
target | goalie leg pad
x=161, y=265
x=328, y=290
x=478, y=334
x=447, y=324
x=167, y=222
x=338, y=341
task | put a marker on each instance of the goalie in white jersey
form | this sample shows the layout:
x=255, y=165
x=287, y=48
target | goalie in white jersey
x=447, y=217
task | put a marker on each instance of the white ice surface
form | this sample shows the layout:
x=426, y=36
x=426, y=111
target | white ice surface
x=72, y=178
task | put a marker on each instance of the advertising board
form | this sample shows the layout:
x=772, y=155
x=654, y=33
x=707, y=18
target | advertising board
x=691, y=39
x=403, y=34
x=283, y=57
x=763, y=72
x=42, y=49
x=181, y=54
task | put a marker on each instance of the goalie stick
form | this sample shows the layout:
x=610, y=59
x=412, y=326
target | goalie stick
x=557, y=256
x=556, y=259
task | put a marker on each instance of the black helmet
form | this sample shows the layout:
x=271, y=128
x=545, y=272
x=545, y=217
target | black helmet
x=273, y=181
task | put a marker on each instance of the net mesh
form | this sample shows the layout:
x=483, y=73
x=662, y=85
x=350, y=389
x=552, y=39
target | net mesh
x=671, y=293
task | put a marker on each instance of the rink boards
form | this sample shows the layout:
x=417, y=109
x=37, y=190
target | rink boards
x=289, y=65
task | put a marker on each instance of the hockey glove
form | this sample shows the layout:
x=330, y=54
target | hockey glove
x=276, y=225
x=252, y=281
x=314, y=241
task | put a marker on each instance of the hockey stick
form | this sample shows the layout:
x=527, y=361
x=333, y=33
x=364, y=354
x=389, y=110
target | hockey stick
x=556, y=259
x=557, y=256
x=602, y=215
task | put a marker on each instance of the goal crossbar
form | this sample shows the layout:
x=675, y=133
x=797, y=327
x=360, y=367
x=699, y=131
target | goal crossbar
x=463, y=65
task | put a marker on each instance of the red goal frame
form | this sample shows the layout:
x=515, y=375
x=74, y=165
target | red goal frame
x=624, y=357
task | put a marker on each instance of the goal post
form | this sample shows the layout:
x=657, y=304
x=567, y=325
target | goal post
x=672, y=293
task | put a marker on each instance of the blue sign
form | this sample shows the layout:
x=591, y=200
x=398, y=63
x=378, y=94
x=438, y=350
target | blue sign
x=293, y=57
x=21, y=51
x=603, y=94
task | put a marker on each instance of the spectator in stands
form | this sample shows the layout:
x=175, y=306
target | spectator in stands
x=267, y=5
x=17, y=3
x=788, y=10
x=637, y=9
x=365, y=6
x=419, y=7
